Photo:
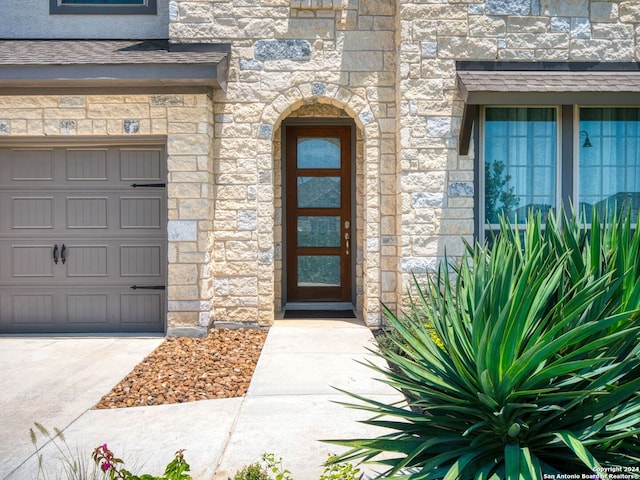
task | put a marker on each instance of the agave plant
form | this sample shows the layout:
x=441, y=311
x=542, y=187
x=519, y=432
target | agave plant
x=537, y=370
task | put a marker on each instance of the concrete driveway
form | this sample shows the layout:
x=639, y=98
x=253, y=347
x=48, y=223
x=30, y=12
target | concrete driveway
x=289, y=408
x=54, y=381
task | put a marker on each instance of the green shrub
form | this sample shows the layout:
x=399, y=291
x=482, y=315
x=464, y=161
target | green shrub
x=272, y=469
x=538, y=368
x=336, y=470
x=252, y=472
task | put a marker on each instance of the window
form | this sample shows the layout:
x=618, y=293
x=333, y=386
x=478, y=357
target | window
x=609, y=169
x=522, y=150
x=103, y=7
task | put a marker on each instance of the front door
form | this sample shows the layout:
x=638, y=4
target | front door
x=319, y=227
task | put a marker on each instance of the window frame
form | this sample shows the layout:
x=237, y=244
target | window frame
x=567, y=156
x=56, y=7
x=483, y=226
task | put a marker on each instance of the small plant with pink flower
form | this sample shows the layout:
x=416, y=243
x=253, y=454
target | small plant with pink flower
x=105, y=465
x=112, y=466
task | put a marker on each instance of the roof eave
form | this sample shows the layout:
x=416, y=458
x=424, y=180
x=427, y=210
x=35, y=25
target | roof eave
x=112, y=78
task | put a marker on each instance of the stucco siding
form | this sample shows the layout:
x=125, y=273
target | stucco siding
x=31, y=19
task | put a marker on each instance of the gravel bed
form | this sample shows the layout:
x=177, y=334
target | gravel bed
x=189, y=369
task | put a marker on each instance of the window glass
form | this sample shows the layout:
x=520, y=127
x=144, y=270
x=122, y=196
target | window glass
x=103, y=7
x=520, y=162
x=319, y=192
x=102, y=2
x=318, y=152
x=609, y=160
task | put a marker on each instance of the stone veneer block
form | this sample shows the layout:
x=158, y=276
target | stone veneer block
x=265, y=131
x=182, y=230
x=67, y=126
x=508, y=7
x=193, y=332
x=131, y=126
x=282, y=50
x=418, y=264
x=460, y=189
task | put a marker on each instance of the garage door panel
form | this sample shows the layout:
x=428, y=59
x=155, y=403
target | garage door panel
x=46, y=212
x=87, y=212
x=141, y=308
x=86, y=165
x=114, y=236
x=32, y=212
x=141, y=165
x=83, y=308
x=142, y=261
x=31, y=261
x=86, y=260
x=141, y=212
x=33, y=309
x=110, y=309
x=32, y=165
x=111, y=260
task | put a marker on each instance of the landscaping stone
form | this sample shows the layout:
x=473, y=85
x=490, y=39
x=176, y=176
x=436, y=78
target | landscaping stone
x=190, y=369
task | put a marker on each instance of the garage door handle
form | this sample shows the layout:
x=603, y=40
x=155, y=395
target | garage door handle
x=55, y=254
x=148, y=287
x=149, y=185
x=62, y=257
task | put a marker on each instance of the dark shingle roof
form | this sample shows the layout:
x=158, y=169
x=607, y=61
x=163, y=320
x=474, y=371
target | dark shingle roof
x=506, y=81
x=48, y=66
x=106, y=52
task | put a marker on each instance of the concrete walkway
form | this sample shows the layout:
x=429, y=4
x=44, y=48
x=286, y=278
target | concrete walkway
x=289, y=408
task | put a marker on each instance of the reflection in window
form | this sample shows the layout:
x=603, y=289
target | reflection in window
x=318, y=231
x=609, y=176
x=103, y=2
x=318, y=152
x=319, y=271
x=319, y=192
x=520, y=157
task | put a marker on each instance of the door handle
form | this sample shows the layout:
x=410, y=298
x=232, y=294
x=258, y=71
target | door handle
x=346, y=241
x=55, y=254
x=62, y=257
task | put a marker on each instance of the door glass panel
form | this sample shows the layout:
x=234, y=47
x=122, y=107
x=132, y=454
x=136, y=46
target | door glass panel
x=318, y=192
x=318, y=231
x=319, y=271
x=318, y=152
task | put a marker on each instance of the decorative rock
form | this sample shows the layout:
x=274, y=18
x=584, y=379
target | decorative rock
x=189, y=369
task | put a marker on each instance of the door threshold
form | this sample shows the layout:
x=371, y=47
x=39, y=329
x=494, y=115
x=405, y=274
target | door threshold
x=318, y=306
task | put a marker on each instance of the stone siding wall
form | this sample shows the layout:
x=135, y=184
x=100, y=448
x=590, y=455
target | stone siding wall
x=185, y=122
x=437, y=184
x=285, y=55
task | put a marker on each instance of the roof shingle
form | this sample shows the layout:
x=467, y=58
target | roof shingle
x=106, y=52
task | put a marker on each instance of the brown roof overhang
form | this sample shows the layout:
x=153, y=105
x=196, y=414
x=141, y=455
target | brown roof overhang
x=36, y=67
x=541, y=83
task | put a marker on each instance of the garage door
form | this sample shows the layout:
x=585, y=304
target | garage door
x=83, y=239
